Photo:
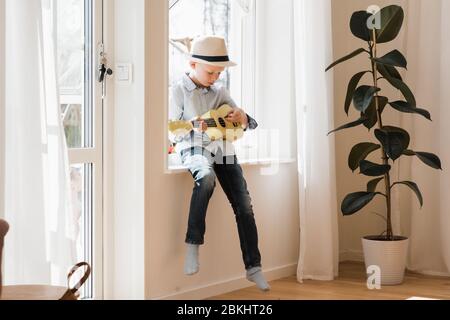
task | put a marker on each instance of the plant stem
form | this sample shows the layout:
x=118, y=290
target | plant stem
x=387, y=177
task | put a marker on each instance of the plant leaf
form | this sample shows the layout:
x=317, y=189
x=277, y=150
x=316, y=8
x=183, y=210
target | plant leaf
x=394, y=141
x=391, y=19
x=373, y=169
x=429, y=159
x=400, y=85
x=372, y=184
x=409, y=153
x=382, y=102
x=371, y=112
x=394, y=58
x=404, y=106
x=360, y=152
x=354, y=81
x=363, y=96
x=347, y=57
x=391, y=23
x=413, y=186
x=356, y=201
x=405, y=90
x=349, y=125
x=390, y=72
x=358, y=25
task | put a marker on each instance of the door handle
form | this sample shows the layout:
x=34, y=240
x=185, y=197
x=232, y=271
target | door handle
x=102, y=71
x=102, y=64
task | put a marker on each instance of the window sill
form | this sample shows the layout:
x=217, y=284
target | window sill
x=176, y=169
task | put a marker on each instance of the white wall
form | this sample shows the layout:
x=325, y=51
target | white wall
x=126, y=226
x=352, y=228
x=167, y=197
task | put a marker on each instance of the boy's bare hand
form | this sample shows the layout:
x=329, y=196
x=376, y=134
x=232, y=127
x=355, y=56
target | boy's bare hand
x=202, y=126
x=238, y=115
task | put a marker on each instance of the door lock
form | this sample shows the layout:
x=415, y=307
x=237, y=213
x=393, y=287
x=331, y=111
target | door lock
x=102, y=66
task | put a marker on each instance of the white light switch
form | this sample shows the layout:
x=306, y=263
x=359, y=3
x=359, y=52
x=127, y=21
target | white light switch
x=124, y=72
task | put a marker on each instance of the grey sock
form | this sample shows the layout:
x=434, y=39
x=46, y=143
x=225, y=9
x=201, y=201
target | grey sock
x=191, y=264
x=255, y=275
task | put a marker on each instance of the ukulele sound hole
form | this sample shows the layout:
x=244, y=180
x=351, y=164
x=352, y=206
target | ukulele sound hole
x=222, y=122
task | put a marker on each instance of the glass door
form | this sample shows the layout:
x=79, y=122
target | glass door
x=79, y=45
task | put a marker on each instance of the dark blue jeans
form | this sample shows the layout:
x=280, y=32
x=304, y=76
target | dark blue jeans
x=205, y=167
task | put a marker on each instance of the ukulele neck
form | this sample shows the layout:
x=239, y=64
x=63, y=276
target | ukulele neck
x=210, y=122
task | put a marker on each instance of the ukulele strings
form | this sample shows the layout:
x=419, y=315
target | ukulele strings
x=209, y=122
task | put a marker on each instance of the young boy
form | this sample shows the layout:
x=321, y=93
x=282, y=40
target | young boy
x=194, y=95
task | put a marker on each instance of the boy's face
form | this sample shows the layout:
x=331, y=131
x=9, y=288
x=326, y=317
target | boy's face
x=205, y=74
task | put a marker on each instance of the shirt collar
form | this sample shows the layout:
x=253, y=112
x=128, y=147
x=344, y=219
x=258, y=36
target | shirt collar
x=191, y=86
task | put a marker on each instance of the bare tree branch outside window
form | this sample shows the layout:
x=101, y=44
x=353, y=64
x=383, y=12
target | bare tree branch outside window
x=191, y=18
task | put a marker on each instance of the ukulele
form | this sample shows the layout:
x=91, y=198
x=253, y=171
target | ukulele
x=218, y=126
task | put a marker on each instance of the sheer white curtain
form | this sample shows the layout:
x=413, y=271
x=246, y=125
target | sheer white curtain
x=316, y=156
x=2, y=107
x=428, y=53
x=41, y=244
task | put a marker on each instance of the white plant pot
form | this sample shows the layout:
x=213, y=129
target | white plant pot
x=389, y=256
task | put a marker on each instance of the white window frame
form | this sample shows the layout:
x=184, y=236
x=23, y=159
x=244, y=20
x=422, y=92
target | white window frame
x=94, y=156
x=106, y=234
x=244, y=75
x=242, y=49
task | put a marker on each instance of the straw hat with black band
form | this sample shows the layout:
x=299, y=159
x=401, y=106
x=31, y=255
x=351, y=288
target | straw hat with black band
x=210, y=50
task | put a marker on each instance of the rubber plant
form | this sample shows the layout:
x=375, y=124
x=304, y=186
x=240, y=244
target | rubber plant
x=393, y=142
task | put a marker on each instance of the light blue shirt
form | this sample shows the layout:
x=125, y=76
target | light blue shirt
x=188, y=101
